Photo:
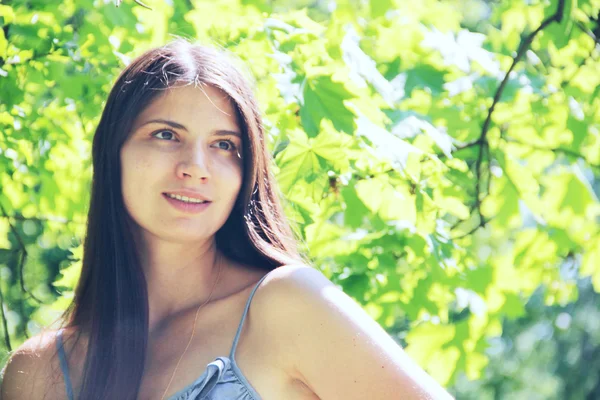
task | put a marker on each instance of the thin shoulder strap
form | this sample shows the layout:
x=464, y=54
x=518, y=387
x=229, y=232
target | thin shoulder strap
x=63, y=364
x=239, y=330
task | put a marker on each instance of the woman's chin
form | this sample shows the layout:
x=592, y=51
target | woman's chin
x=184, y=236
x=175, y=235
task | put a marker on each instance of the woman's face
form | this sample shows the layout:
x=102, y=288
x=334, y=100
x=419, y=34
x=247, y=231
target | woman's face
x=185, y=143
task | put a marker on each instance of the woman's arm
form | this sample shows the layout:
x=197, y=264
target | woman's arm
x=335, y=347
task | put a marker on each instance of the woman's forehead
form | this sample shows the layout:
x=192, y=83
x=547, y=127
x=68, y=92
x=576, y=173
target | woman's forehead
x=190, y=105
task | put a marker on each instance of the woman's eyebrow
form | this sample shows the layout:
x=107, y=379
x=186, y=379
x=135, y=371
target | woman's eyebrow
x=166, y=122
x=176, y=125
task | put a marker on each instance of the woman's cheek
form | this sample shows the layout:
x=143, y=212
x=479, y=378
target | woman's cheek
x=232, y=163
x=137, y=169
x=143, y=164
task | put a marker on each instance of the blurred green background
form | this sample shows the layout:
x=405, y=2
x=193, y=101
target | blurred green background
x=457, y=202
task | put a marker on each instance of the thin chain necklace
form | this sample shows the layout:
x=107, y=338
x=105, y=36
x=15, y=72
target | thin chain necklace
x=194, y=328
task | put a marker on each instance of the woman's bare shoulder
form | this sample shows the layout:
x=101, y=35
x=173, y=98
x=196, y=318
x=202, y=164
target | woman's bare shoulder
x=33, y=370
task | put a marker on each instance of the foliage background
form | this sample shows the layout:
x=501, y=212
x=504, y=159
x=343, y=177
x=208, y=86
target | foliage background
x=458, y=203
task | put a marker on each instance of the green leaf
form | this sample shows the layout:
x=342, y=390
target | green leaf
x=424, y=76
x=426, y=345
x=323, y=98
x=590, y=265
x=4, y=230
x=390, y=148
x=355, y=210
x=568, y=198
x=370, y=192
x=298, y=161
x=380, y=7
x=560, y=33
x=7, y=14
x=332, y=146
x=503, y=204
x=450, y=199
x=368, y=107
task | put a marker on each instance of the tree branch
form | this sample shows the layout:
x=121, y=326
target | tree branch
x=482, y=141
x=470, y=232
x=562, y=150
x=591, y=34
x=523, y=47
x=460, y=147
x=42, y=219
x=5, y=29
x=23, y=256
x=4, y=322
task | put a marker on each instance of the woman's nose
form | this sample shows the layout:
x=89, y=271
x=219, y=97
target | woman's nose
x=195, y=164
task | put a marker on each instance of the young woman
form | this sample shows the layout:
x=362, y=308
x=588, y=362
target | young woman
x=192, y=286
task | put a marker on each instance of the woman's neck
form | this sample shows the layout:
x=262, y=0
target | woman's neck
x=179, y=277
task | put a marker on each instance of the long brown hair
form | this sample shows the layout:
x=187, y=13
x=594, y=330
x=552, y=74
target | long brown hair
x=110, y=304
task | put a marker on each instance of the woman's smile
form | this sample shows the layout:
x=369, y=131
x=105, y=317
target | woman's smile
x=191, y=206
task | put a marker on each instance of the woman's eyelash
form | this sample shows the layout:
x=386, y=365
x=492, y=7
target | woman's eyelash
x=232, y=148
x=161, y=131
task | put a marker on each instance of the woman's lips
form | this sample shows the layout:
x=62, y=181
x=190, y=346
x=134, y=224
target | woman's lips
x=191, y=208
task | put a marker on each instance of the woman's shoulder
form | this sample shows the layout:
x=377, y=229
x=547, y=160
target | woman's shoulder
x=318, y=324
x=33, y=370
x=275, y=282
x=291, y=273
x=294, y=277
x=286, y=285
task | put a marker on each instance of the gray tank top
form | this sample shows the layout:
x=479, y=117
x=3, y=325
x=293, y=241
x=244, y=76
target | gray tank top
x=221, y=380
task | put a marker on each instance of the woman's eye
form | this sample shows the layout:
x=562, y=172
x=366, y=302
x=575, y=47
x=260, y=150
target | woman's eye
x=168, y=134
x=226, y=145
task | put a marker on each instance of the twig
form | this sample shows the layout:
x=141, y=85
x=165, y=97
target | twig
x=22, y=276
x=5, y=29
x=588, y=32
x=460, y=147
x=596, y=44
x=4, y=322
x=581, y=63
x=555, y=150
x=476, y=227
x=142, y=4
x=82, y=122
x=22, y=312
x=23, y=256
x=42, y=219
x=118, y=3
x=523, y=47
x=484, y=145
x=34, y=57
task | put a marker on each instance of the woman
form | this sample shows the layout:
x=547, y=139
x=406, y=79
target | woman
x=185, y=232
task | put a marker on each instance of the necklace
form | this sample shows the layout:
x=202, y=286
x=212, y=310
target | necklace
x=194, y=328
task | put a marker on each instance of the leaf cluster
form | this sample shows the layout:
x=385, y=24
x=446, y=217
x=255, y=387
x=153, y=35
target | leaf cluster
x=439, y=165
